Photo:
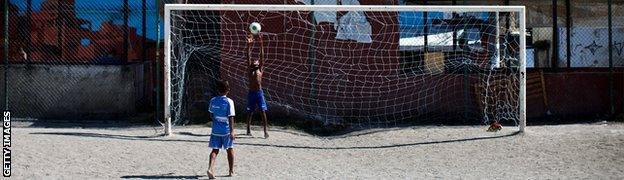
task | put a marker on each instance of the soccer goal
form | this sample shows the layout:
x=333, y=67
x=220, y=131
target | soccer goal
x=357, y=65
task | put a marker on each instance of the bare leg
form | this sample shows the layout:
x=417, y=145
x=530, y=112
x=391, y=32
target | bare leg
x=249, y=116
x=213, y=157
x=230, y=153
x=264, y=124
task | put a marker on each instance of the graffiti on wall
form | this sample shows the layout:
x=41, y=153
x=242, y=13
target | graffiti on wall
x=590, y=47
x=619, y=47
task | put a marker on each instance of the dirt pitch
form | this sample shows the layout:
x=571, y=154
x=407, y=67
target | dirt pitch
x=587, y=151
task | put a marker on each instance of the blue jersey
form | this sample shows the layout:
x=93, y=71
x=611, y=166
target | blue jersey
x=221, y=108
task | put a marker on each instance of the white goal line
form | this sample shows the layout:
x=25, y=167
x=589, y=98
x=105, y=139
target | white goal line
x=379, y=8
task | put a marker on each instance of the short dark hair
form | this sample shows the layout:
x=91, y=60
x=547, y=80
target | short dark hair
x=223, y=86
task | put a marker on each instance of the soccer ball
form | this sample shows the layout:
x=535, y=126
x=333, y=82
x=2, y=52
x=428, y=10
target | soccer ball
x=254, y=28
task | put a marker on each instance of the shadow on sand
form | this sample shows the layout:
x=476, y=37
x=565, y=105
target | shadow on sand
x=160, y=138
x=162, y=176
x=167, y=176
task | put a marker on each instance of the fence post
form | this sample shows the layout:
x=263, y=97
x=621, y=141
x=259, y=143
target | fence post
x=453, y=16
x=464, y=69
x=144, y=29
x=555, y=37
x=426, y=30
x=312, y=56
x=611, y=86
x=6, y=54
x=508, y=18
x=28, y=34
x=125, y=46
x=59, y=26
x=568, y=32
x=157, y=63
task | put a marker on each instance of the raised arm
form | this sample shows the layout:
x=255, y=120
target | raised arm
x=249, y=46
x=261, y=65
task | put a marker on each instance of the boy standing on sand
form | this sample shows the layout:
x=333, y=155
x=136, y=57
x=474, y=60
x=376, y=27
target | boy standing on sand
x=255, y=96
x=222, y=136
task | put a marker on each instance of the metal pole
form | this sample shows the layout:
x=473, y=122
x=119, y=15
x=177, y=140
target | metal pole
x=497, y=40
x=144, y=29
x=144, y=61
x=555, y=37
x=157, y=114
x=157, y=63
x=508, y=18
x=29, y=28
x=312, y=56
x=167, y=72
x=59, y=26
x=426, y=29
x=611, y=73
x=568, y=32
x=523, y=75
x=6, y=54
x=125, y=46
x=464, y=67
x=454, y=15
x=466, y=77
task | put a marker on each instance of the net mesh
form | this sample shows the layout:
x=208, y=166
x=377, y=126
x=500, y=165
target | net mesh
x=358, y=68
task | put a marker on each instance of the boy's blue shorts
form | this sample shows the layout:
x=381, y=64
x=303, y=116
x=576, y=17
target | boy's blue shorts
x=221, y=142
x=256, y=99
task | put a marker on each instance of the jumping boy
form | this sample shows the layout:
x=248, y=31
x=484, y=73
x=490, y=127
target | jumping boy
x=255, y=97
x=222, y=136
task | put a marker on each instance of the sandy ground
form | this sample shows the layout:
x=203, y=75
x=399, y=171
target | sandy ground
x=591, y=151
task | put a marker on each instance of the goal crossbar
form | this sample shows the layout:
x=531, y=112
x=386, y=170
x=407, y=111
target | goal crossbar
x=253, y=7
x=368, y=8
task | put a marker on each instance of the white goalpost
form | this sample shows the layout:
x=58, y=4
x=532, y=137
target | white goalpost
x=359, y=65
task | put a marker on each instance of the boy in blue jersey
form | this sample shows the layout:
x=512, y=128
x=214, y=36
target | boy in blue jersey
x=222, y=136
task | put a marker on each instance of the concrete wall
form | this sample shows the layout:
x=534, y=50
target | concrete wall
x=72, y=91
